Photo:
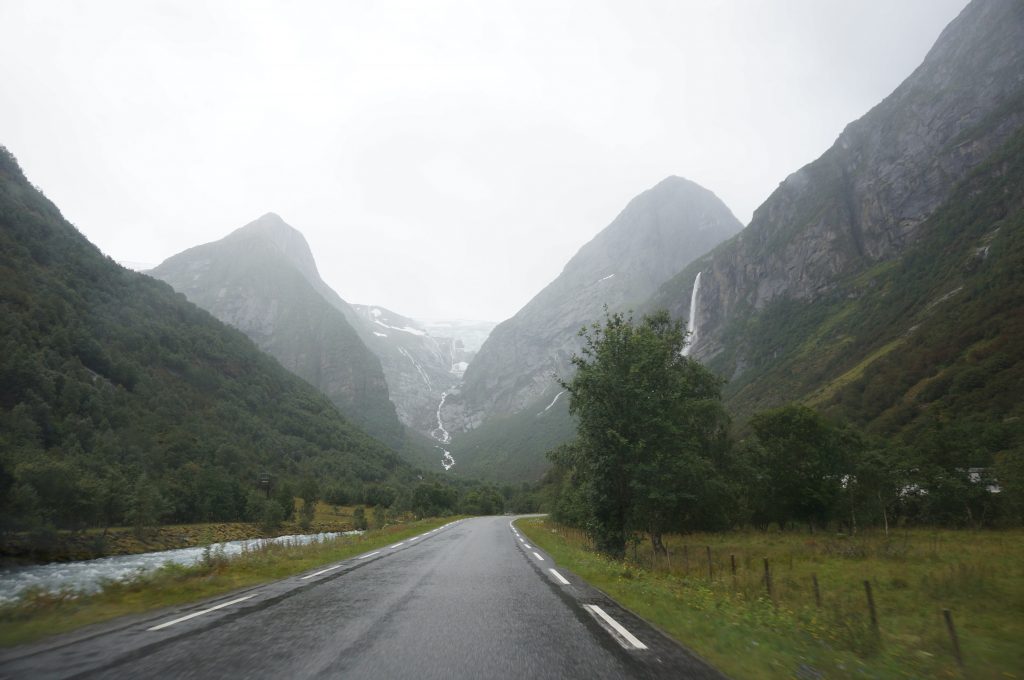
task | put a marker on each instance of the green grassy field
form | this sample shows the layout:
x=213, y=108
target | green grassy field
x=39, y=615
x=733, y=622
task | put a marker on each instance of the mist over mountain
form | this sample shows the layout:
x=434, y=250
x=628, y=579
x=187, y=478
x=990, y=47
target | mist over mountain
x=874, y=279
x=263, y=280
x=655, y=236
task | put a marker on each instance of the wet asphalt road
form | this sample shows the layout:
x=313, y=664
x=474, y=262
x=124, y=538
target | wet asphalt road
x=471, y=600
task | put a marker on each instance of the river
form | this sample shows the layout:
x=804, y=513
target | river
x=88, y=576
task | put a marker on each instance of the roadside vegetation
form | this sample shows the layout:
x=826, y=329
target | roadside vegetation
x=721, y=542
x=733, y=622
x=40, y=614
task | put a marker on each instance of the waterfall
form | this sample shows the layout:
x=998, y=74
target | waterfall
x=442, y=435
x=691, y=326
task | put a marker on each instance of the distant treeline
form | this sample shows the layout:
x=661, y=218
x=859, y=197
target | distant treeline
x=653, y=455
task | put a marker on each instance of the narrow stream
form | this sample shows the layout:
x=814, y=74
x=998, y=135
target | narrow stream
x=88, y=576
x=442, y=435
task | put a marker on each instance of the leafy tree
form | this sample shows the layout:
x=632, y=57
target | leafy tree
x=310, y=493
x=567, y=499
x=337, y=495
x=1009, y=475
x=378, y=494
x=145, y=506
x=271, y=516
x=651, y=423
x=284, y=496
x=359, y=519
x=433, y=499
x=378, y=517
x=801, y=464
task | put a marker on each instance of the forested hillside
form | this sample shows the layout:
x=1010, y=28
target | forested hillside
x=121, y=402
x=262, y=279
x=931, y=347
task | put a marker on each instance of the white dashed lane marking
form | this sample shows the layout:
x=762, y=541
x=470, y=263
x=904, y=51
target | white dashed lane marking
x=559, y=577
x=200, y=613
x=537, y=555
x=322, y=571
x=618, y=631
x=363, y=557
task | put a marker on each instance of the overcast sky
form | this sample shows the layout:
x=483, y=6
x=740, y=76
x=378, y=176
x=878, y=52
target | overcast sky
x=444, y=159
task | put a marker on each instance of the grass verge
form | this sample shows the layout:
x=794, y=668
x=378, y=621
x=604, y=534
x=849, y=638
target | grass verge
x=38, y=614
x=732, y=621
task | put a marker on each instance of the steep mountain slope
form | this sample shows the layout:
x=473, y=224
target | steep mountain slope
x=263, y=280
x=856, y=255
x=931, y=346
x=120, y=400
x=419, y=366
x=657, y=234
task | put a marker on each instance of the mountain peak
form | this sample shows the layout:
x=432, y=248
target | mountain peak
x=271, y=230
x=268, y=224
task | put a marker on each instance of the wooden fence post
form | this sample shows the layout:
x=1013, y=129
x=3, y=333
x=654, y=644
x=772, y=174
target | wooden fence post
x=817, y=591
x=711, y=573
x=767, y=578
x=952, y=637
x=871, y=606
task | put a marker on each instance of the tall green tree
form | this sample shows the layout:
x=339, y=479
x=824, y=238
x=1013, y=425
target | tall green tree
x=802, y=461
x=651, y=423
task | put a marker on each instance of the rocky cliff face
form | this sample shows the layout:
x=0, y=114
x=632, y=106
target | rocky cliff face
x=419, y=365
x=263, y=280
x=657, y=234
x=862, y=202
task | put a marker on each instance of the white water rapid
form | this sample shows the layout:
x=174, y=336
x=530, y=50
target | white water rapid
x=441, y=435
x=88, y=576
x=691, y=326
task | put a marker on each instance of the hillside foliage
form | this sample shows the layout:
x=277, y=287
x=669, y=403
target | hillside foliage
x=121, y=403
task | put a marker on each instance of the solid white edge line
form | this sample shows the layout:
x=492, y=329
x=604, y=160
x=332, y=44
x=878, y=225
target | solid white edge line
x=561, y=579
x=200, y=613
x=537, y=555
x=322, y=571
x=627, y=637
x=363, y=557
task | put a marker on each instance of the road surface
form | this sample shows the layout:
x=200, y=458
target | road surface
x=473, y=599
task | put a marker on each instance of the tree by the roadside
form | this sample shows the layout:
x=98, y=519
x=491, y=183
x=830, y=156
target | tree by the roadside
x=651, y=423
